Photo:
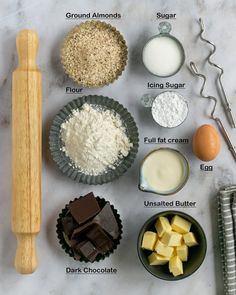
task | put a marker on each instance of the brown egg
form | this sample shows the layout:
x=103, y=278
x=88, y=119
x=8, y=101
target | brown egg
x=206, y=143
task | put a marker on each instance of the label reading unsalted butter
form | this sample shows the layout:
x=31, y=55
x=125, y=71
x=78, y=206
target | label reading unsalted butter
x=170, y=204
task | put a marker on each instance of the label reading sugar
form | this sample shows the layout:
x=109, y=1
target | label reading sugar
x=160, y=140
x=170, y=204
x=93, y=15
x=73, y=90
x=207, y=168
x=160, y=15
x=91, y=271
x=167, y=85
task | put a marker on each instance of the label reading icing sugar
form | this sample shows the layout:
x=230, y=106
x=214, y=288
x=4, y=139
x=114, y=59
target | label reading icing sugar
x=158, y=140
x=73, y=90
x=167, y=85
x=93, y=15
x=172, y=204
x=160, y=15
x=90, y=271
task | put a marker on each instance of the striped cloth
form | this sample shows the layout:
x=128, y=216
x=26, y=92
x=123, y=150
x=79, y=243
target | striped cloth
x=227, y=237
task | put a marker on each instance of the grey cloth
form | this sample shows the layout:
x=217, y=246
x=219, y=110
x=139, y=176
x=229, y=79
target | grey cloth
x=227, y=237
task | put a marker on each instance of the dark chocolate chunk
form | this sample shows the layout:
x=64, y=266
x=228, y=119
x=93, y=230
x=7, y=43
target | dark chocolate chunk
x=107, y=221
x=100, y=239
x=84, y=208
x=81, y=229
x=69, y=225
x=89, y=251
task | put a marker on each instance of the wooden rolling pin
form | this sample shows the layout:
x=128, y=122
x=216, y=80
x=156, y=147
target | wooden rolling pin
x=26, y=151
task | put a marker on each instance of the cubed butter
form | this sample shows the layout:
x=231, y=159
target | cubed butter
x=172, y=239
x=190, y=239
x=182, y=252
x=149, y=240
x=176, y=266
x=155, y=259
x=162, y=225
x=163, y=250
x=180, y=224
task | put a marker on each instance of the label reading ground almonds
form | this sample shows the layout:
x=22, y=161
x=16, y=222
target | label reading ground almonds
x=160, y=140
x=91, y=271
x=92, y=15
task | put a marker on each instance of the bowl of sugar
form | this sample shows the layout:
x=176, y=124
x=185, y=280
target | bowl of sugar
x=163, y=55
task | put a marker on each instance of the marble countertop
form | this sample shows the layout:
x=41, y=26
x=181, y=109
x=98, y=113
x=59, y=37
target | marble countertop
x=137, y=24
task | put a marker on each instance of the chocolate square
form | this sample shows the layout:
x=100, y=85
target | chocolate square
x=84, y=208
x=81, y=229
x=107, y=221
x=69, y=225
x=89, y=251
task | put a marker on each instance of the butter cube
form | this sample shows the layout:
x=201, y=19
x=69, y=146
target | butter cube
x=190, y=239
x=162, y=225
x=182, y=252
x=155, y=259
x=163, y=250
x=180, y=225
x=149, y=240
x=176, y=266
x=171, y=239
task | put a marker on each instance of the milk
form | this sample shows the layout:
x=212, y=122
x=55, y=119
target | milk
x=163, y=56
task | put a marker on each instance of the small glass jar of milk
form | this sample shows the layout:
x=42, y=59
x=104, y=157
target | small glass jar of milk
x=163, y=55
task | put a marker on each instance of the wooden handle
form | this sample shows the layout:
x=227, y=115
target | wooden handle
x=26, y=151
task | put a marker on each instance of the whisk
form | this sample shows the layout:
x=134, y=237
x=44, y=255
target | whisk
x=218, y=121
x=226, y=102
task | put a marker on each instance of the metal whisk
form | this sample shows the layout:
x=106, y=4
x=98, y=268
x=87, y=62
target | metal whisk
x=218, y=121
x=226, y=102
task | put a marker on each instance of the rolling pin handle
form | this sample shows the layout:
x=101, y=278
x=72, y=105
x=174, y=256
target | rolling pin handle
x=26, y=259
x=27, y=46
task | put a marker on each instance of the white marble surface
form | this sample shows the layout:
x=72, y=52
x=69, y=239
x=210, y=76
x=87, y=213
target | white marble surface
x=138, y=23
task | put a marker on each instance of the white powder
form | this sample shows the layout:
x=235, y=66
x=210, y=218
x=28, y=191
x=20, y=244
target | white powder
x=169, y=109
x=94, y=139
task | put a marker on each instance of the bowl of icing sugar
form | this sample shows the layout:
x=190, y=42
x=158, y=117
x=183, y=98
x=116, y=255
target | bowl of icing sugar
x=169, y=109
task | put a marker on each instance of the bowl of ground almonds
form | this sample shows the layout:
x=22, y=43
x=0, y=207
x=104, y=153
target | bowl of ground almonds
x=93, y=139
x=94, y=54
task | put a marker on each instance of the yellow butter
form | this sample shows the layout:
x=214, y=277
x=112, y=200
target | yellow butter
x=182, y=252
x=155, y=259
x=162, y=225
x=180, y=224
x=190, y=239
x=172, y=239
x=149, y=240
x=176, y=266
x=163, y=250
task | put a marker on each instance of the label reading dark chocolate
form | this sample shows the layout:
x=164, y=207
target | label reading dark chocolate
x=93, y=15
x=170, y=204
x=207, y=168
x=160, y=15
x=167, y=85
x=91, y=271
x=73, y=90
x=160, y=140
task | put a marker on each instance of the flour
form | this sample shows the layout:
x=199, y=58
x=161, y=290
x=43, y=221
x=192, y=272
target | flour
x=94, y=139
x=169, y=109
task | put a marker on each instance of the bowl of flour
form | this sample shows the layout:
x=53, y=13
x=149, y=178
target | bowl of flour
x=93, y=139
x=169, y=109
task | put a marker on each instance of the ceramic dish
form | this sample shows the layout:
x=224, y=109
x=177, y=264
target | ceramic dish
x=62, y=239
x=65, y=164
x=196, y=254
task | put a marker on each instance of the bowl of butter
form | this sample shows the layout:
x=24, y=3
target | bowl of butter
x=171, y=245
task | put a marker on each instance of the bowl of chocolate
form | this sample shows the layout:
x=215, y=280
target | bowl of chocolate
x=89, y=228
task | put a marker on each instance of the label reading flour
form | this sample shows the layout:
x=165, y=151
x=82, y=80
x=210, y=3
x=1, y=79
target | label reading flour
x=158, y=140
x=73, y=90
x=91, y=271
x=170, y=204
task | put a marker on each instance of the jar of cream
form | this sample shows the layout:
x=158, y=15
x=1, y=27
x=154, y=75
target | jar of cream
x=163, y=55
x=164, y=171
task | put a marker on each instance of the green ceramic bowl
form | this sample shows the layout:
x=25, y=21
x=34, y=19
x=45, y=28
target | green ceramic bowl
x=66, y=165
x=196, y=254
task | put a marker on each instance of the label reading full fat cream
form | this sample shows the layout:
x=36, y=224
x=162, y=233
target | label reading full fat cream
x=90, y=270
x=159, y=140
x=93, y=15
x=170, y=204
